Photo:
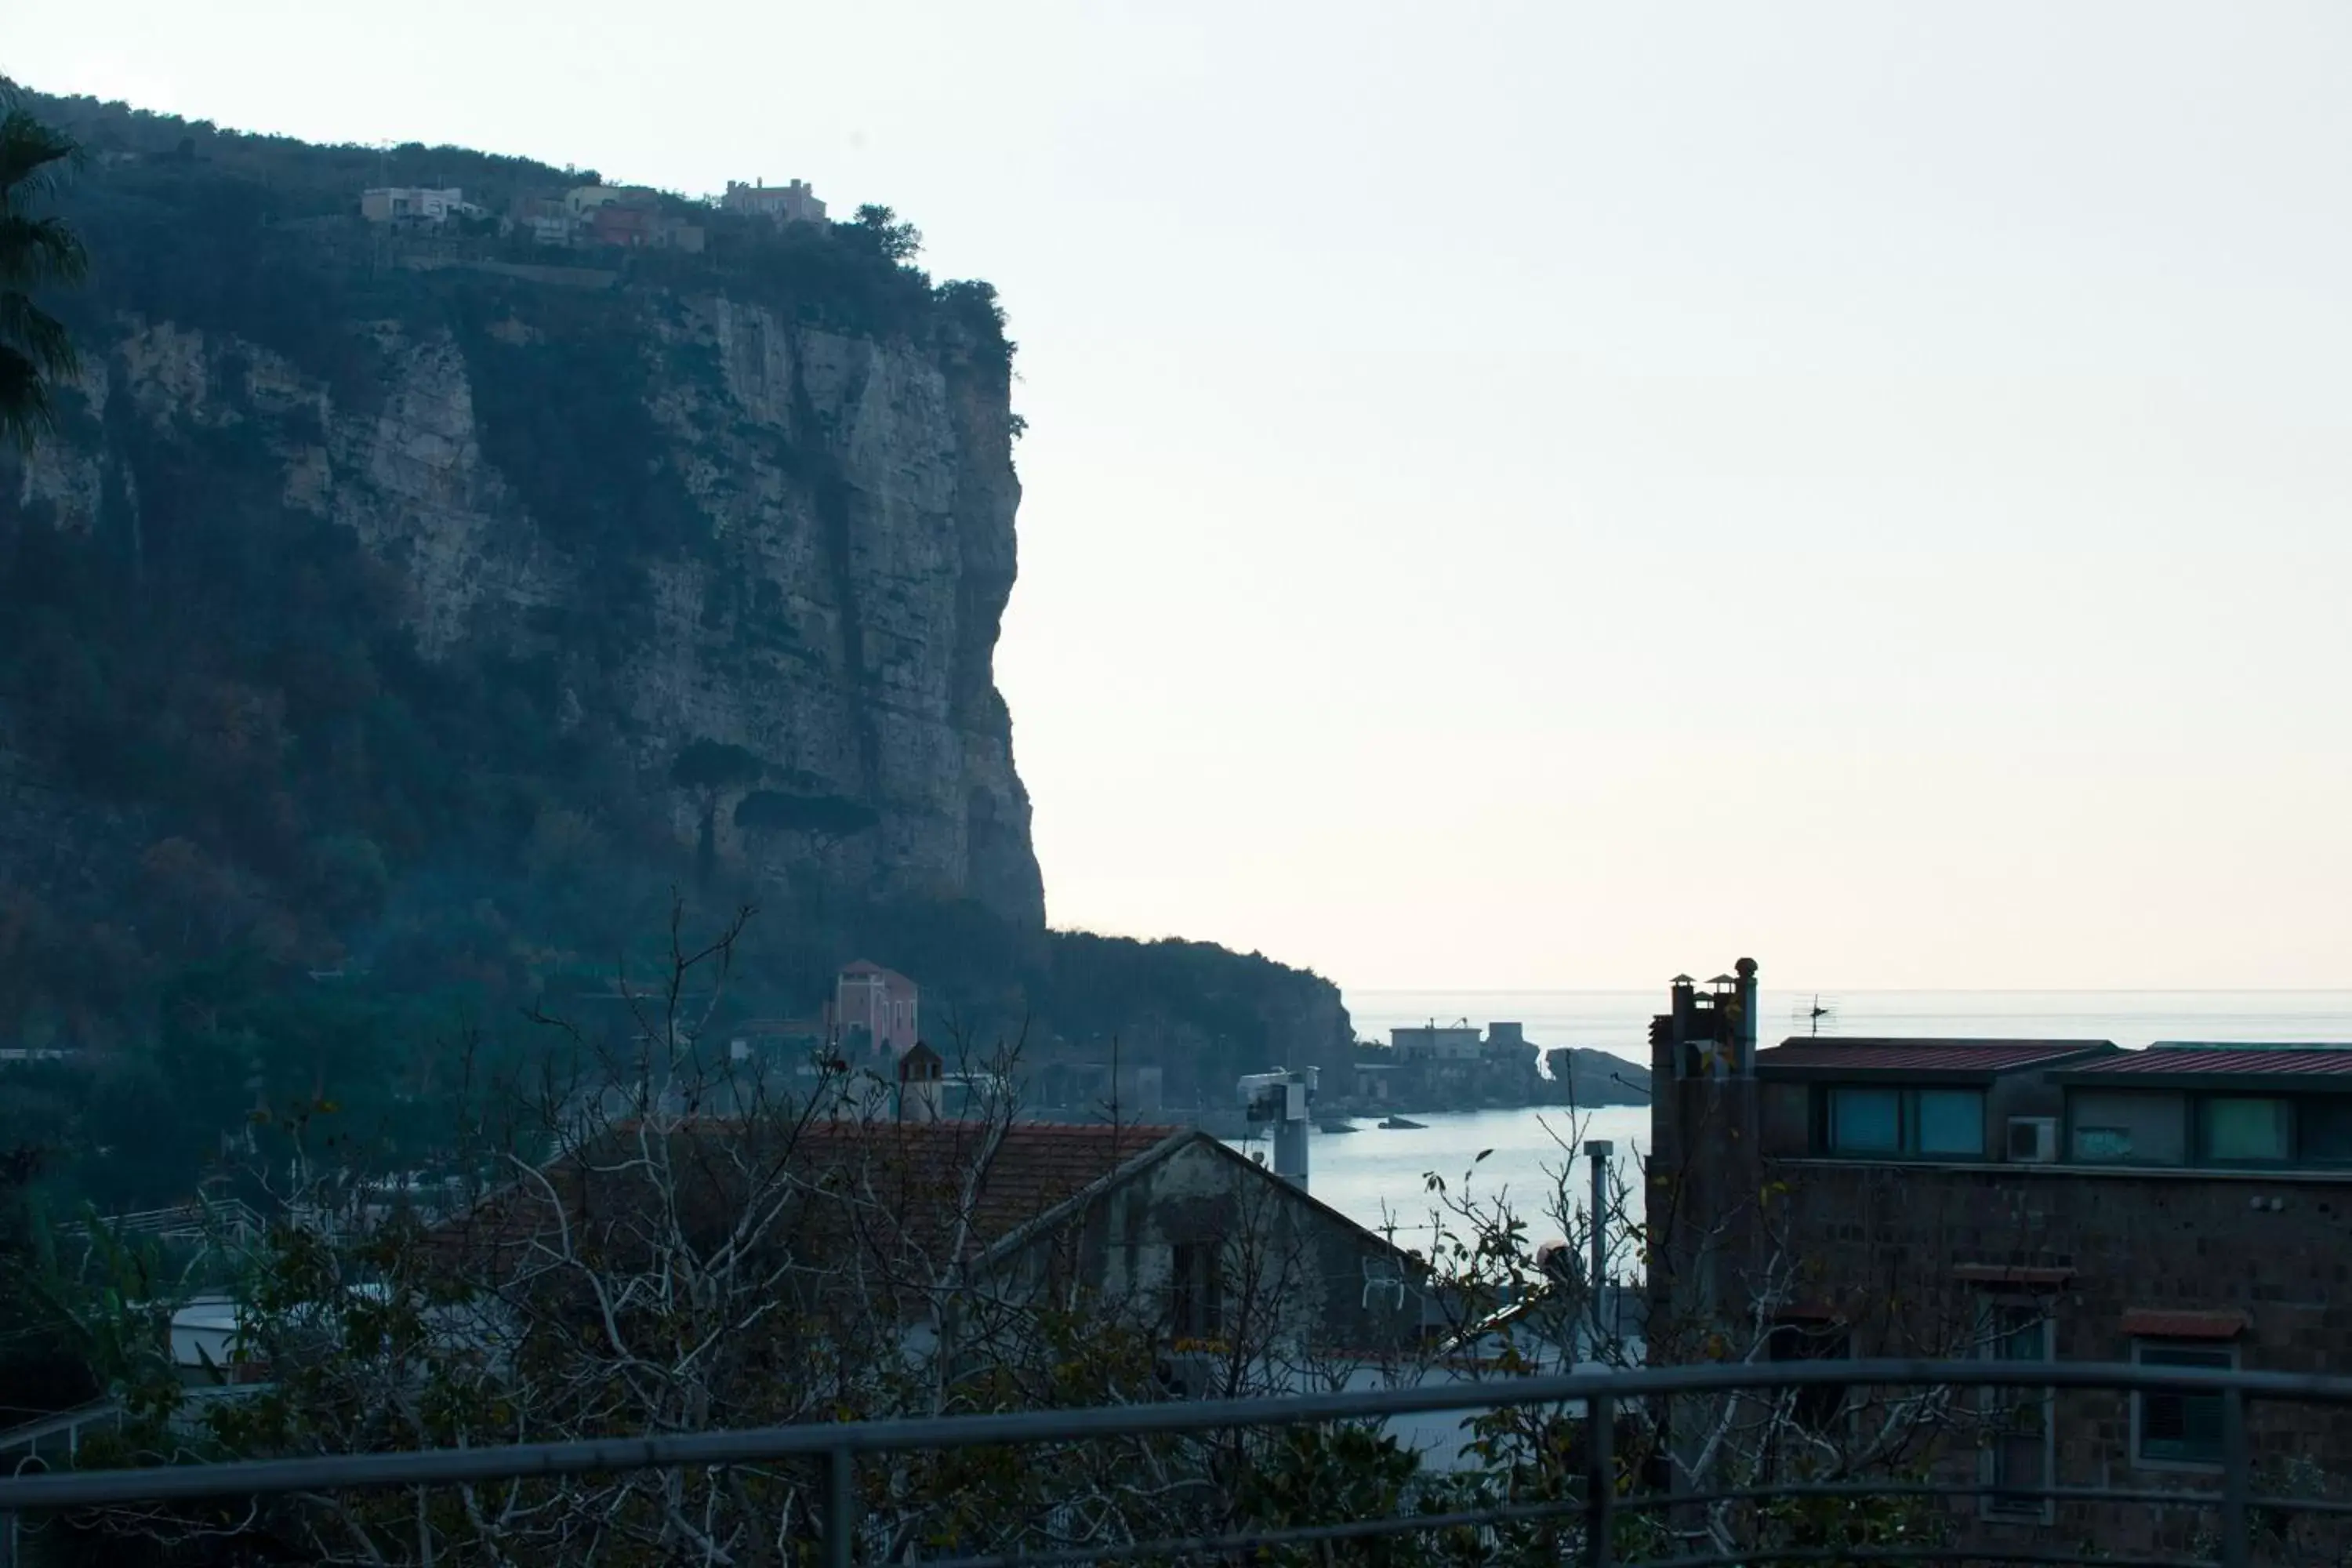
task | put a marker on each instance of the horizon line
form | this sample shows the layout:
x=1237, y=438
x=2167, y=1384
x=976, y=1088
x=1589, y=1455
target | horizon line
x=1866, y=990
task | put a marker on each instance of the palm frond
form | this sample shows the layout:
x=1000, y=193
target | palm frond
x=32, y=157
x=24, y=411
x=40, y=337
x=39, y=250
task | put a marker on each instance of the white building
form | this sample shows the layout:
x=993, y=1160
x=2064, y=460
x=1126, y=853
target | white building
x=794, y=203
x=1436, y=1042
x=414, y=204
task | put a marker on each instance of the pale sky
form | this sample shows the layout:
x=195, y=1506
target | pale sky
x=1553, y=495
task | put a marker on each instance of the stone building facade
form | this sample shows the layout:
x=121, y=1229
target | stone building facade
x=2184, y=1205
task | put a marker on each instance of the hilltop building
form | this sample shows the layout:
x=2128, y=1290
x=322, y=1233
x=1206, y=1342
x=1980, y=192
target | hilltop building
x=794, y=203
x=2022, y=1199
x=414, y=204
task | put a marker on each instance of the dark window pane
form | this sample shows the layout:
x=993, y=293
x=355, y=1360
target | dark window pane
x=2181, y=1428
x=2244, y=1129
x=2019, y=1460
x=1865, y=1122
x=1815, y=1408
x=2326, y=1131
x=2024, y=1336
x=2020, y=1446
x=1951, y=1121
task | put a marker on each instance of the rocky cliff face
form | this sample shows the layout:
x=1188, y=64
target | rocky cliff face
x=816, y=572
x=360, y=621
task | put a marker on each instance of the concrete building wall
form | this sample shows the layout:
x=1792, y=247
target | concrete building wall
x=1435, y=1043
x=389, y=204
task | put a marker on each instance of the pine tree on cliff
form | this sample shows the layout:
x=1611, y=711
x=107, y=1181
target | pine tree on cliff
x=34, y=251
x=711, y=768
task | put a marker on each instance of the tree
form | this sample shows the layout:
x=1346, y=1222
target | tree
x=34, y=251
x=899, y=242
x=709, y=769
x=666, y=1238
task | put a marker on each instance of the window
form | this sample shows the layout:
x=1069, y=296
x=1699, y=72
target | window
x=2324, y=1131
x=1926, y=1123
x=2112, y=1127
x=1951, y=1121
x=1866, y=1121
x=1818, y=1406
x=2020, y=1451
x=1195, y=1291
x=2241, y=1130
x=2171, y=1428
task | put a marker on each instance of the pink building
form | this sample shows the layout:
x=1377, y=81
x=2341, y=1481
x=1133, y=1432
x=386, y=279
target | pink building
x=879, y=1002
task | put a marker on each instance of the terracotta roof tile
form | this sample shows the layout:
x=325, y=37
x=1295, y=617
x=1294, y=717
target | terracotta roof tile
x=878, y=1185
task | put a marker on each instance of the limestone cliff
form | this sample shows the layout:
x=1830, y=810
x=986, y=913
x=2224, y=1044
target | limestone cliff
x=706, y=515
x=362, y=615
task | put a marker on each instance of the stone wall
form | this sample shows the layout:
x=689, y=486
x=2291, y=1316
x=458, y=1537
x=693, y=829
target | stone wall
x=2093, y=1248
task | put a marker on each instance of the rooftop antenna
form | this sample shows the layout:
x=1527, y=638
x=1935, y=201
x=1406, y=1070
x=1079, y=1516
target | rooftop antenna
x=1815, y=1016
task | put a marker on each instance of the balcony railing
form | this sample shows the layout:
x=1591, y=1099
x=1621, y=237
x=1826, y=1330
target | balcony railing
x=1589, y=1520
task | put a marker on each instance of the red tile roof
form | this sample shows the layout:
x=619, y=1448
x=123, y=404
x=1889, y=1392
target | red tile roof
x=914, y=1166
x=889, y=1187
x=2318, y=1061
x=1859, y=1054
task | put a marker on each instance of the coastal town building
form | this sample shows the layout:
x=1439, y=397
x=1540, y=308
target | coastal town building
x=876, y=1011
x=414, y=204
x=792, y=203
x=2031, y=1200
x=1164, y=1229
x=1436, y=1042
x=583, y=200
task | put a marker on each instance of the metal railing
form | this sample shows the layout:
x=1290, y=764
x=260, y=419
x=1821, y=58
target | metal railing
x=204, y=1220
x=1596, y=1399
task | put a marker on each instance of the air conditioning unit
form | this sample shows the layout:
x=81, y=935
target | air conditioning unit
x=2032, y=1140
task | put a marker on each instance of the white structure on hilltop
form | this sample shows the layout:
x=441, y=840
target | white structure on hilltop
x=414, y=204
x=794, y=203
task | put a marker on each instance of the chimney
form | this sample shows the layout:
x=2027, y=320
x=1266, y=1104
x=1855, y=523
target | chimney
x=921, y=1072
x=1744, y=1022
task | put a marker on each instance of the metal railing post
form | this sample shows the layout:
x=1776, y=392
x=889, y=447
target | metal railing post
x=1600, y=1479
x=841, y=1490
x=2237, y=1540
x=8, y=1541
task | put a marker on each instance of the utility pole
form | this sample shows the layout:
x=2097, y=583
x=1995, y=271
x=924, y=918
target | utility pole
x=1599, y=1150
